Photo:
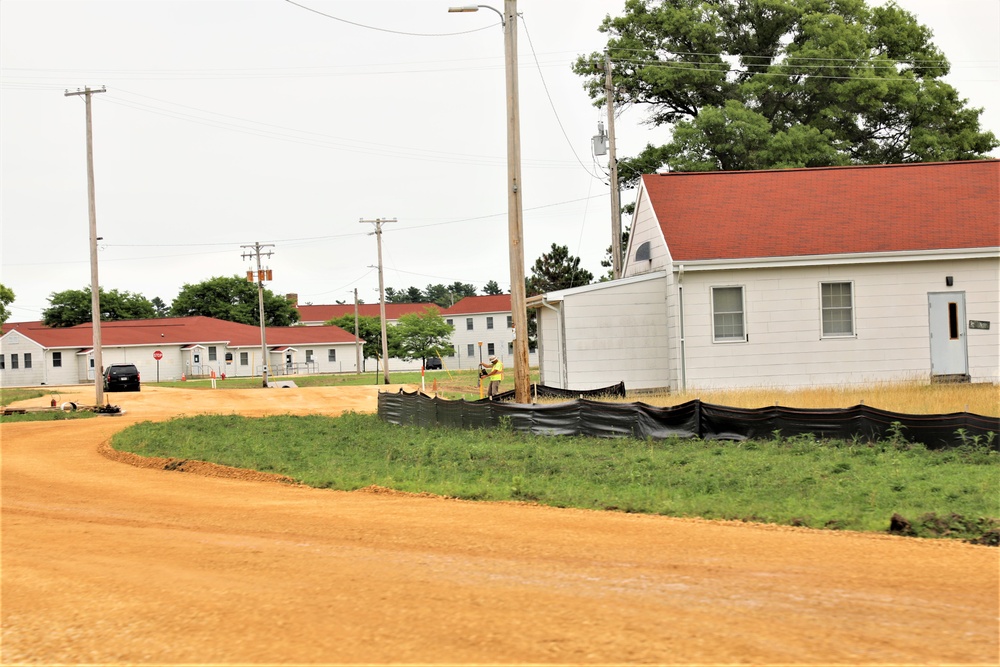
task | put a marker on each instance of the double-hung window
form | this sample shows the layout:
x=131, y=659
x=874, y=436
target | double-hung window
x=837, y=308
x=331, y=354
x=728, y=317
x=57, y=360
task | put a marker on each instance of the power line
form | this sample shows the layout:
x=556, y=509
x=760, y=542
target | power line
x=394, y=32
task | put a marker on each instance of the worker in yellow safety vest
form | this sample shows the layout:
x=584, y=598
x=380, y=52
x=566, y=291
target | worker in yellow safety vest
x=494, y=375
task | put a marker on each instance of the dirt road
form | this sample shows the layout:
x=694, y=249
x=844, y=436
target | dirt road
x=103, y=562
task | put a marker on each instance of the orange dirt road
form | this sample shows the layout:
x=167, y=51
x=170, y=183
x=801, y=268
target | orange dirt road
x=104, y=562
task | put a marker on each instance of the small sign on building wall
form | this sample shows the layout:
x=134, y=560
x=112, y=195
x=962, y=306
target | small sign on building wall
x=979, y=324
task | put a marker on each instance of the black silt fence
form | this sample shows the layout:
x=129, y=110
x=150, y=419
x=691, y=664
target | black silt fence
x=694, y=419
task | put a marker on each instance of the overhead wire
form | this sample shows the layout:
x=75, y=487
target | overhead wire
x=394, y=32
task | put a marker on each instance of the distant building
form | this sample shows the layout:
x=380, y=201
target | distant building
x=483, y=327
x=32, y=354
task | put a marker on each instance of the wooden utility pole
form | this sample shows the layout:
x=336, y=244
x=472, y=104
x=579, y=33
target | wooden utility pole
x=518, y=303
x=515, y=223
x=261, y=275
x=357, y=338
x=381, y=293
x=95, y=285
x=616, y=207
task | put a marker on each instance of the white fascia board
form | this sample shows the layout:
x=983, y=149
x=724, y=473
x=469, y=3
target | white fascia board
x=828, y=260
x=594, y=287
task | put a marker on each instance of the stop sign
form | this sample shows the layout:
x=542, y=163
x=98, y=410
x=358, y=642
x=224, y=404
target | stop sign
x=157, y=355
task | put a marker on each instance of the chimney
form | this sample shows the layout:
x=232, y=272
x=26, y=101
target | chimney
x=294, y=298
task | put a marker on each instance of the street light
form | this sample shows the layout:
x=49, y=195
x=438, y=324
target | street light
x=519, y=310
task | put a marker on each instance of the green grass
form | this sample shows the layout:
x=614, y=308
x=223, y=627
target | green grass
x=797, y=481
x=13, y=395
x=46, y=416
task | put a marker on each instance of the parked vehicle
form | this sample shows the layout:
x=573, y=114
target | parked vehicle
x=121, y=377
x=433, y=364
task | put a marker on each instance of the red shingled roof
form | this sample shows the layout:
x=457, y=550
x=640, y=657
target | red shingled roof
x=490, y=303
x=178, y=331
x=392, y=310
x=794, y=212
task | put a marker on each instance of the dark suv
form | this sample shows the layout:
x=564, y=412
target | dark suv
x=121, y=377
x=433, y=364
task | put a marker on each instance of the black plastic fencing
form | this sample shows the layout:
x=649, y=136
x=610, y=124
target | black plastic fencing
x=693, y=419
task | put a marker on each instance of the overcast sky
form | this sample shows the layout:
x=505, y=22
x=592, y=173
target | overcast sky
x=231, y=122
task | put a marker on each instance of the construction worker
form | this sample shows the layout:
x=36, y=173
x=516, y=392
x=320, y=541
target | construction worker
x=494, y=375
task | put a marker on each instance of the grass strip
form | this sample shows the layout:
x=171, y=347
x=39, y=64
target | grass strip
x=792, y=481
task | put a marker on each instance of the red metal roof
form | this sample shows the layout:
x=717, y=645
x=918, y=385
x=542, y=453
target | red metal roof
x=835, y=210
x=178, y=331
x=393, y=311
x=490, y=303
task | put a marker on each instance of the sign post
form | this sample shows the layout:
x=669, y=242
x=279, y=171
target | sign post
x=157, y=355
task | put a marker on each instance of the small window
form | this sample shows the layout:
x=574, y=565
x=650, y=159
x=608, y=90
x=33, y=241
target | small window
x=838, y=309
x=309, y=356
x=229, y=357
x=472, y=350
x=468, y=324
x=244, y=358
x=27, y=359
x=13, y=362
x=727, y=314
x=489, y=322
x=490, y=349
x=450, y=322
x=642, y=253
x=952, y=322
x=211, y=353
x=331, y=354
x=510, y=349
x=510, y=321
x=3, y=362
x=57, y=360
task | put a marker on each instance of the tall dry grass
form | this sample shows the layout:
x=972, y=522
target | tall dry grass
x=909, y=398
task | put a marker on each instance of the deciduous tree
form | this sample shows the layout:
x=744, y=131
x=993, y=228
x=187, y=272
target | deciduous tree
x=422, y=335
x=6, y=298
x=234, y=299
x=71, y=307
x=760, y=84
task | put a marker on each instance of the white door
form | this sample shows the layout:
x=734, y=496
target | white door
x=948, y=337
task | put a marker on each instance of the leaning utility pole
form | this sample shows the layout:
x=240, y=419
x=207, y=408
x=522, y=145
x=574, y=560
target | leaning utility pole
x=616, y=207
x=381, y=293
x=261, y=276
x=95, y=286
x=357, y=338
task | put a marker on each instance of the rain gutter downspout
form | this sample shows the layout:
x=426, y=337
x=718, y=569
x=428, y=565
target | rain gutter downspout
x=682, y=362
x=563, y=370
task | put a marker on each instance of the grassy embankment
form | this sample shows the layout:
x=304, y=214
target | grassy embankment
x=13, y=395
x=794, y=481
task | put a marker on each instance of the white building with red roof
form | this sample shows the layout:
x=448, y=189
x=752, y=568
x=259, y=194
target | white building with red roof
x=32, y=354
x=792, y=278
x=483, y=327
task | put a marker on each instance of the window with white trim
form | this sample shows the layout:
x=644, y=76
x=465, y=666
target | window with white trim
x=468, y=324
x=212, y=353
x=837, y=308
x=490, y=349
x=57, y=360
x=309, y=356
x=472, y=350
x=244, y=358
x=27, y=359
x=3, y=363
x=489, y=322
x=331, y=354
x=13, y=362
x=728, y=323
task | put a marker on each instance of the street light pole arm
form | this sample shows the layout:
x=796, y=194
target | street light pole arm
x=476, y=8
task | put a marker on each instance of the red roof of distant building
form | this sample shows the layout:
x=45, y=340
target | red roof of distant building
x=178, y=331
x=393, y=311
x=490, y=303
x=835, y=210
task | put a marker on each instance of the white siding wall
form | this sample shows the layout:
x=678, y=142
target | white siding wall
x=645, y=227
x=612, y=333
x=783, y=323
x=14, y=343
